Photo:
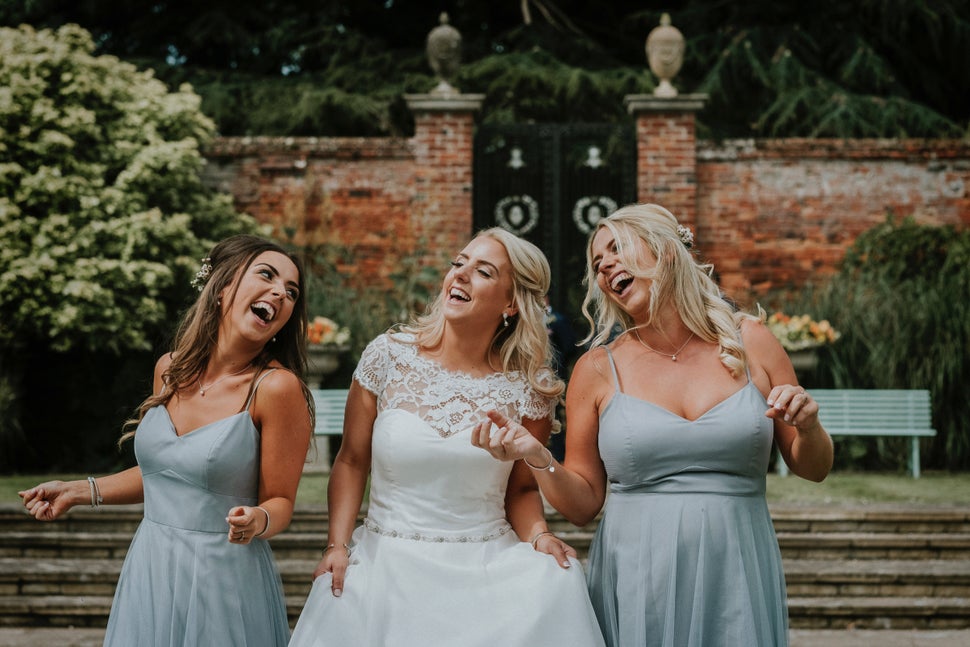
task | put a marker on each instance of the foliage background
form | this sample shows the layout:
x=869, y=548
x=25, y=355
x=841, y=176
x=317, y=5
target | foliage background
x=869, y=68
x=103, y=219
x=902, y=303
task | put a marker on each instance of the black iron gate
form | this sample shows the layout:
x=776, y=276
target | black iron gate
x=551, y=184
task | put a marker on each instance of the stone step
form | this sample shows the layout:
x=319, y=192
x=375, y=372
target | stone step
x=879, y=613
x=94, y=637
x=789, y=518
x=80, y=611
x=877, y=578
x=804, y=613
x=805, y=578
x=299, y=545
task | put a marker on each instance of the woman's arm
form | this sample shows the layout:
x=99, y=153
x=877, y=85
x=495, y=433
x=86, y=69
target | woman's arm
x=804, y=445
x=348, y=478
x=280, y=411
x=576, y=488
x=48, y=501
x=523, y=503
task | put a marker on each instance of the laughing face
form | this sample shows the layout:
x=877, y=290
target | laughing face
x=479, y=285
x=632, y=294
x=264, y=299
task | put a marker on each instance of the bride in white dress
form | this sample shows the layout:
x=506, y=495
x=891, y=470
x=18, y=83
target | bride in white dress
x=454, y=549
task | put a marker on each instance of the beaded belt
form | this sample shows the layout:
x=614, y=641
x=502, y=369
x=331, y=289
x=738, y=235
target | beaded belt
x=439, y=539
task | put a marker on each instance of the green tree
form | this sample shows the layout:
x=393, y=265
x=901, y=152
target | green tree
x=902, y=303
x=871, y=68
x=103, y=217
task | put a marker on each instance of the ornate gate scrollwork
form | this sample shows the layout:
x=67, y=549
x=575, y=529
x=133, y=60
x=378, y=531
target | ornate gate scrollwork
x=551, y=184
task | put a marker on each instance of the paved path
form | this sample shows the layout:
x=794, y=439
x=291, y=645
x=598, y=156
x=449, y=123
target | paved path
x=799, y=638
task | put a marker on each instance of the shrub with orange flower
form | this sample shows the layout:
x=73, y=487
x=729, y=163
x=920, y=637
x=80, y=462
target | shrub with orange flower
x=799, y=332
x=324, y=331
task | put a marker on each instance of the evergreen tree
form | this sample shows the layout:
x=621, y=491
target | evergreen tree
x=872, y=68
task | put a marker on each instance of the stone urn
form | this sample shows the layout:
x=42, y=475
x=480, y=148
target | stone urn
x=665, y=53
x=444, y=55
x=322, y=361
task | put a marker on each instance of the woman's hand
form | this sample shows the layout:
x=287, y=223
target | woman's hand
x=511, y=441
x=48, y=501
x=546, y=542
x=335, y=561
x=245, y=522
x=793, y=405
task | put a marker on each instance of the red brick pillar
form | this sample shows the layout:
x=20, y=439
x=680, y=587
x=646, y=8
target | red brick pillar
x=667, y=151
x=444, y=129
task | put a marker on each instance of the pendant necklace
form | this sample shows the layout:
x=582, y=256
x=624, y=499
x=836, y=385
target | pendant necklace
x=203, y=388
x=653, y=350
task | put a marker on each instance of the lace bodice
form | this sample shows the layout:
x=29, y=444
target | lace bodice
x=392, y=369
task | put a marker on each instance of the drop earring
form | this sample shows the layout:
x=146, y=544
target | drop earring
x=505, y=320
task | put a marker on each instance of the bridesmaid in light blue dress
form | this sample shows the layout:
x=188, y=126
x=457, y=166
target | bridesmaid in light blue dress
x=675, y=418
x=220, y=447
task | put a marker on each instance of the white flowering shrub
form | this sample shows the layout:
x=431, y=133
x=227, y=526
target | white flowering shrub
x=103, y=216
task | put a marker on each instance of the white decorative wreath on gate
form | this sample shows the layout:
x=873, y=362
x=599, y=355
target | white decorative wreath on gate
x=589, y=210
x=517, y=213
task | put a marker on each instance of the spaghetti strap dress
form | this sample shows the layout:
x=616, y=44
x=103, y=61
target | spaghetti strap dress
x=686, y=553
x=182, y=583
x=436, y=563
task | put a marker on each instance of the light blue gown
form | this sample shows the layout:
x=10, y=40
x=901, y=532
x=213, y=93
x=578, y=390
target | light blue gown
x=686, y=554
x=183, y=584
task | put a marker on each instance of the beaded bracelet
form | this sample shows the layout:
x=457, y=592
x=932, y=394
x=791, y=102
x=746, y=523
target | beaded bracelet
x=329, y=546
x=548, y=466
x=96, y=498
x=266, y=527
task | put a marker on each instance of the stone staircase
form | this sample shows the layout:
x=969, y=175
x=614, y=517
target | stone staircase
x=847, y=568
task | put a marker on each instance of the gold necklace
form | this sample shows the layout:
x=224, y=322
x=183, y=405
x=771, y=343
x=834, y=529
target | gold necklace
x=653, y=350
x=203, y=388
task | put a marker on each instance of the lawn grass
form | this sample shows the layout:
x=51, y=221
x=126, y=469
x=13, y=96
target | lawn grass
x=840, y=488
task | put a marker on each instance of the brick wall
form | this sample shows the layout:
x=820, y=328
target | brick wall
x=774, y=214
x=770, y=214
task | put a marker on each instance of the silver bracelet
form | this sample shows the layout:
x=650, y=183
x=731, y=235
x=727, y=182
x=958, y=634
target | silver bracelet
x=96, y=499
x=266, y=527
x=547, y=467
x=329, y=546
x=535, y=539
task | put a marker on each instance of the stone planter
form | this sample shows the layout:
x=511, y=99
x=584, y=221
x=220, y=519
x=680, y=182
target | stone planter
x=804, y=362
x=322, y=361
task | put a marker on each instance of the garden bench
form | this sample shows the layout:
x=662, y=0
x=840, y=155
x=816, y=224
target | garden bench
x=874, y=412
x=330, y=405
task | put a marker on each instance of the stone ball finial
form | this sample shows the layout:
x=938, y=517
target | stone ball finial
x=665, y=53
x=444, y=55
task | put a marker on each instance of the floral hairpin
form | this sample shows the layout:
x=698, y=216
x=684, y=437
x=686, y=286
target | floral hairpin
x=686, y=236
x=203, y=274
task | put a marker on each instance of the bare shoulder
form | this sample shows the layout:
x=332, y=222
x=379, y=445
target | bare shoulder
x=765, y=353
x=280, y=383
x=758, y=339
x=591, y=374
x=162, y=364
x=592, y=362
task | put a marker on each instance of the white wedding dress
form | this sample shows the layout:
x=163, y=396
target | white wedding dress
x=436, y=561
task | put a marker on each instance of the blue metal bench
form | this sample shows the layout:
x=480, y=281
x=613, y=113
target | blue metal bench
x=875, y=412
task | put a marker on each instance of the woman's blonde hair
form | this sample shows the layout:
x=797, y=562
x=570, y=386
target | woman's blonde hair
x=677, y=280
x=199, y=330
x=524, y=344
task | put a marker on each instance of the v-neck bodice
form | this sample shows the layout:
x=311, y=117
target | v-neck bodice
x=191, y=481
x=646, y=447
